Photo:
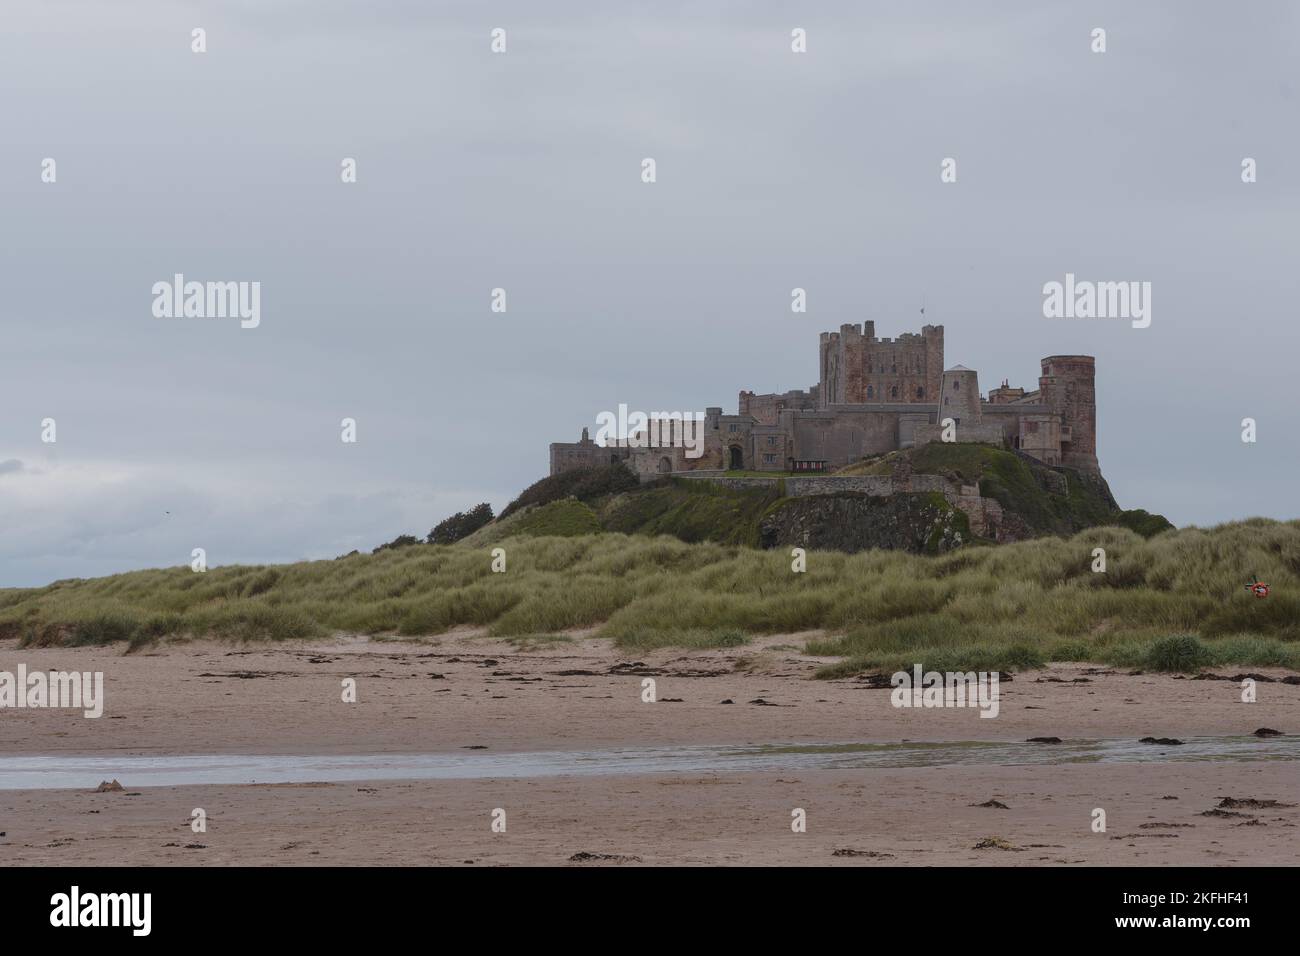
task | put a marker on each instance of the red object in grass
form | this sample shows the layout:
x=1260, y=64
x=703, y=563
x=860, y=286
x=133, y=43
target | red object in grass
x=1259, y=589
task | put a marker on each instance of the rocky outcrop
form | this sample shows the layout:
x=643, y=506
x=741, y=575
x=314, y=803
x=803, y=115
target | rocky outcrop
x=984, y=514
x=920, y=523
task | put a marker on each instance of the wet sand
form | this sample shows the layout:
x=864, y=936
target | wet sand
x=889, y=817
x=465, y=690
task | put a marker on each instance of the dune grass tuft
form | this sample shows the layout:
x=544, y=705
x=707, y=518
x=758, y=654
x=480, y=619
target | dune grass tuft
x=1173, y=601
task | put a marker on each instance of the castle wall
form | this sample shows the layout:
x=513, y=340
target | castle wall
x=734, y=433
x=766, y=408
x=566, y=456
x=773, y=447
x=843, y=435
x=908, y=425
x=875, y=485
x=1004, y=394
x=991, y=434
x=648, y=463
x=1040, y=436
x=668, y=453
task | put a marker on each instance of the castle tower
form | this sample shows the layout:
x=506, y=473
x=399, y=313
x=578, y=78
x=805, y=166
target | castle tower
x=1067, y=387
x=960, y=401
x=841, y=364
x=858, y=368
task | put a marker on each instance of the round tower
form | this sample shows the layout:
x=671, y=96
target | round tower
x=1068, y=389
x=959, y=399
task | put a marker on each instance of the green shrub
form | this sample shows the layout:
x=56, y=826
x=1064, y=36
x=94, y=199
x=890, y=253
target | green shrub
x=1143, y=522
x=460, y=525
x=1181, y=652
x=401, y=541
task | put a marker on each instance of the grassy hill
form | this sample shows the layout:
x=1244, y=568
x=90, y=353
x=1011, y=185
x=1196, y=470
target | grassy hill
x=585, y=501
x=1172, y=601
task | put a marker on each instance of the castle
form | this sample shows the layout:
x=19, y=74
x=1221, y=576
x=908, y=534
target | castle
x=873, y=396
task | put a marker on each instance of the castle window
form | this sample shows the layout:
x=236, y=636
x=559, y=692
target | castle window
x=893, y=368
x=920, y=392
x=769, y=459
x=893, y=392
x=771, y=440
x=731, y=428
x=956, y=385
x=870, y=392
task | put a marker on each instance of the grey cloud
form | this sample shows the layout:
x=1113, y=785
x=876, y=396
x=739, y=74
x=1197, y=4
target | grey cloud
x=522, y=171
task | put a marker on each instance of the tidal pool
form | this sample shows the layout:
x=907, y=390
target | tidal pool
x=57, y=772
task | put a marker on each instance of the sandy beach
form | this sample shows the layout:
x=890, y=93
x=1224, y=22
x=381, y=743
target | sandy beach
x=465, y=690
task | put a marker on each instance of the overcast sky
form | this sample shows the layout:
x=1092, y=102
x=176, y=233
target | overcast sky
x=522, y=170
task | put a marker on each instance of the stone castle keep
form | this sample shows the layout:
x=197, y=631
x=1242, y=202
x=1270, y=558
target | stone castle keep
x=873, y=396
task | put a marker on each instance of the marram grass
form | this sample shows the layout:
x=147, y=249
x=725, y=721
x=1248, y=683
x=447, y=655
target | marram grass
x=1176, y=601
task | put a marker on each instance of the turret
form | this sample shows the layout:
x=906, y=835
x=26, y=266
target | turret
x=1068, y=389
x=960, y=401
